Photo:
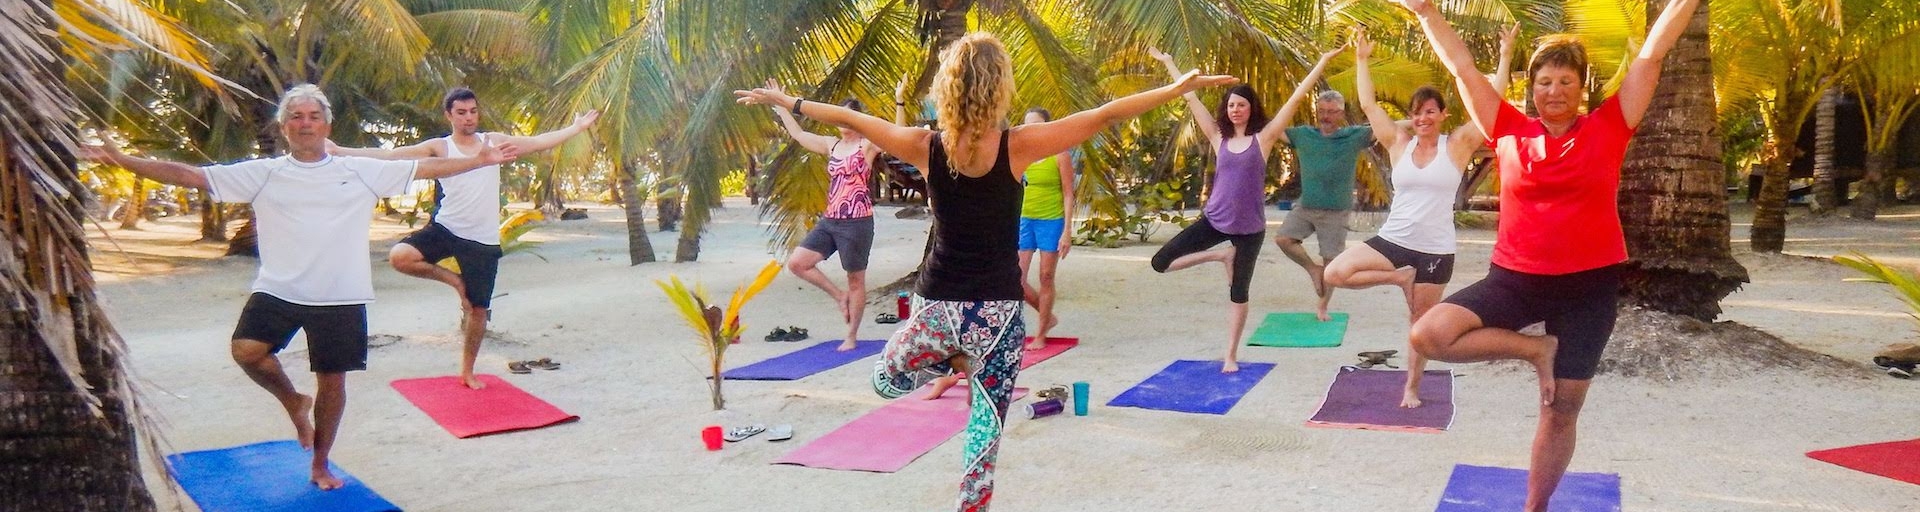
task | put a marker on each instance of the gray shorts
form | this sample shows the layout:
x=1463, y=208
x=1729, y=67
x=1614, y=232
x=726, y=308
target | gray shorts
x=852, y=238
x=1330, y=226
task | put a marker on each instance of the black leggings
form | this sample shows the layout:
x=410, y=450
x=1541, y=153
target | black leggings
x=1200, y=237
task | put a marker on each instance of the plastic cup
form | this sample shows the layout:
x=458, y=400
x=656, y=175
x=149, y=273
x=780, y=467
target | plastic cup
x=1080, y=398
x=711, y=435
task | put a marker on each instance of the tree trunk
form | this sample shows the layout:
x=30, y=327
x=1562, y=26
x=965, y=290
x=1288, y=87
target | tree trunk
x=666, y=202
x=136, y=207
x=1866, y=205
x=1769, y=233
x=639, y=248
x=246, y=241
x=213, y=220
x=689, y=249
x=1824, y=196
x=67, y=434
x=1673, y=199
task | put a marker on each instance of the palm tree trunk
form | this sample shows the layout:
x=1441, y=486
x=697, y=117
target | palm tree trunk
x=689, y=249
x=1824, y=196
x=639, y=248
x=66, y=412
x=136, y=206
x=213, y=220
x=246, y=241
x=1769, y=233
x=1673, y=199
x=1866, y=205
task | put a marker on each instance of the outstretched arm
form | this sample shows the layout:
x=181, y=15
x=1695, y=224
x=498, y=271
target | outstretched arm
x=1032, y=142
x=1208, y=125
x=171, y=173
x=814, y=142
x=490, y=154
x=1483, y=102
x=422, y=149
x=907, y=143
x=546, y=141
x=1643, y=75
x=1384, y=132
x=1277, y=127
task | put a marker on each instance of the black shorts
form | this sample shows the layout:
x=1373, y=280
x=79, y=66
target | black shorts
x=851, y=238
x=336, y=335
x=1427, y=268
x=479, y=263
x=1579, y=308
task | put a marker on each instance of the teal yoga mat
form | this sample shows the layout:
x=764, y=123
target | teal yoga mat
x=1299, y=330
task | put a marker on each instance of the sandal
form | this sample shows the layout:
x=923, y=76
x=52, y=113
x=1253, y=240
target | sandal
x=887, y=318
x=780, y=433
x=519, y=367
x=1059, y=392
x=778, y=334
x=742, y=433
x=796, y=333
x=543, y=364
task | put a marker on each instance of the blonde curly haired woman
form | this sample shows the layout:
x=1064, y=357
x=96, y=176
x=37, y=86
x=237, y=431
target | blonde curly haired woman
x=967, y=313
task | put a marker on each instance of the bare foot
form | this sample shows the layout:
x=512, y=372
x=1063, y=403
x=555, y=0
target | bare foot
x=846, y=345
x=301, y=412
x=940, y=386
x=325, y=480
x=1544, y=367
x=1319, y=275
x=1410, y=399
x=1230, y=366
x=1405, y=276
x=471, y=382
x=1037, y=343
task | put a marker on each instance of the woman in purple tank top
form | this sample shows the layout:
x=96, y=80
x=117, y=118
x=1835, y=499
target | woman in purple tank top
x=847, y=225
x=1241, y=138
x=968, y=317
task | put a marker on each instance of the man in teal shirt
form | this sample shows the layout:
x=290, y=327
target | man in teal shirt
x=1328, y=151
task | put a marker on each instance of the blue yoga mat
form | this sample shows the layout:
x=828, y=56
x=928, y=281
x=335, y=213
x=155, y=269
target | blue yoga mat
x=1193, y=386
x=267, y=477
x=1486, y=489
x=799, y=364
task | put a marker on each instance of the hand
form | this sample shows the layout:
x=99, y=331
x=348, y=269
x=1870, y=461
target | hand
x=498, y=154
x=1508, y=36
x=1330, y=54
x=1194, y=81
x=107, y=153
x=1362, y=47
x=900, y=91
x=770, y=95
x=1066, y=244
x=1417, y=6
x=583, y=121
x=1159, y=55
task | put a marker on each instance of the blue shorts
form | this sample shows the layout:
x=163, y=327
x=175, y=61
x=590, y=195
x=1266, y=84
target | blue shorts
x=1041, y=234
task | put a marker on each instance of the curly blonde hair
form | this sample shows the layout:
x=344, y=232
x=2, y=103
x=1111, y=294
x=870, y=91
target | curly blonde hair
x=972, y=93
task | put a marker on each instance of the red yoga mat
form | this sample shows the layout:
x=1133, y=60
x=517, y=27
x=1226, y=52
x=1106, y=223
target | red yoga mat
x=476, y=412
x=1055, y=345
x=1899, y=460
x=889, y=438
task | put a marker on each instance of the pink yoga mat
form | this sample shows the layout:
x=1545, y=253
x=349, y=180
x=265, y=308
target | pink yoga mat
x=1055, y=345
x=469, y=412
x=889, y=438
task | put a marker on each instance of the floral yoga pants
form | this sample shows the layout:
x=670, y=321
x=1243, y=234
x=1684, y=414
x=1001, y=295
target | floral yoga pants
x=989, y=334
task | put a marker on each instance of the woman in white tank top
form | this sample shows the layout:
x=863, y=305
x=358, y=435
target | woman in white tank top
x=1414, y=248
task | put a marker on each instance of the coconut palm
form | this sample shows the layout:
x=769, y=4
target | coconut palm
x=1889, y=81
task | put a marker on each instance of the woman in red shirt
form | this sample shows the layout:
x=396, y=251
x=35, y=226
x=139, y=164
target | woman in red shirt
x=1558, y=255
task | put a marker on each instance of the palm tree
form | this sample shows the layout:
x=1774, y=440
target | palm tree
x=1673, y=199
x=1824, y=198
x=1889, y=82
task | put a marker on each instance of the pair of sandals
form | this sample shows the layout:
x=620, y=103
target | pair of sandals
x=776, y=434
x=887, y=318
x=1059, y=392
x=1369, y=359
x=788, y=333
x=526, y=367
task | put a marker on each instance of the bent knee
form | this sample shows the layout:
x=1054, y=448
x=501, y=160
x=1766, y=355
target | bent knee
x=249, y=352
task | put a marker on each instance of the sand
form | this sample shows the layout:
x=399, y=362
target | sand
x=632, y=372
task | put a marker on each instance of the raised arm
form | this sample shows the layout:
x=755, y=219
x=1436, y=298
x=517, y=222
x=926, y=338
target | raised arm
x=814, y=142
x=1643, y=74
x=907, y=143
x=1384, y=132
x=1503, y=77
x=171, y=173
x=1032, y=142
x=490, y=154
x=1208, y=125
x=419, y=150
x=546, y=141
x=1483, y=102
x=1277, y=127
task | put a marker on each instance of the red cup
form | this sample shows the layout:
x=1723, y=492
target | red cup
x=712, y=436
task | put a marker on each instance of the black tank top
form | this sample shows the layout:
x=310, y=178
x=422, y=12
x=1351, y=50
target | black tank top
x=976, y=231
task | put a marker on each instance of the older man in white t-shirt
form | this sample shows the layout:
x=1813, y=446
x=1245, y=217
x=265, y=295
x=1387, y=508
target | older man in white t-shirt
x=313, y=210
x=466, y=226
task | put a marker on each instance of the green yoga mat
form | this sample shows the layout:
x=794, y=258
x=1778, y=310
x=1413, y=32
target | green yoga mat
x=1299, y=330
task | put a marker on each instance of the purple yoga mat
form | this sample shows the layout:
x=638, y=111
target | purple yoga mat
x=889, y=438
x=1491, y=489
x=799, y=364
x=1370, y=399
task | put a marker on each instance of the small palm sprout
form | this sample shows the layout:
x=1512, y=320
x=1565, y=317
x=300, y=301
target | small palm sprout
x=714, y=328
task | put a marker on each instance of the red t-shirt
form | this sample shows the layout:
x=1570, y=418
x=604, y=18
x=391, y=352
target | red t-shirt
x=1559, y=210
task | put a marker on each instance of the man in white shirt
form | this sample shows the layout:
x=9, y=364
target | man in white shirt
x=466, y=226
x=313, y=210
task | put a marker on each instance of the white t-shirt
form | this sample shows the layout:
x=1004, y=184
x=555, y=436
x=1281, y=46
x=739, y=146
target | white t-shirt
x=312, y=221
x=470, y=206
x=1421, y=215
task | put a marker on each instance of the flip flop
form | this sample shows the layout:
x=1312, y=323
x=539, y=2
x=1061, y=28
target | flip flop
x=778, y=334
x=519, y=367
x=742, y=433
x=796, y=333
x=780, y=433
x=543, y=364
x=887, y=318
